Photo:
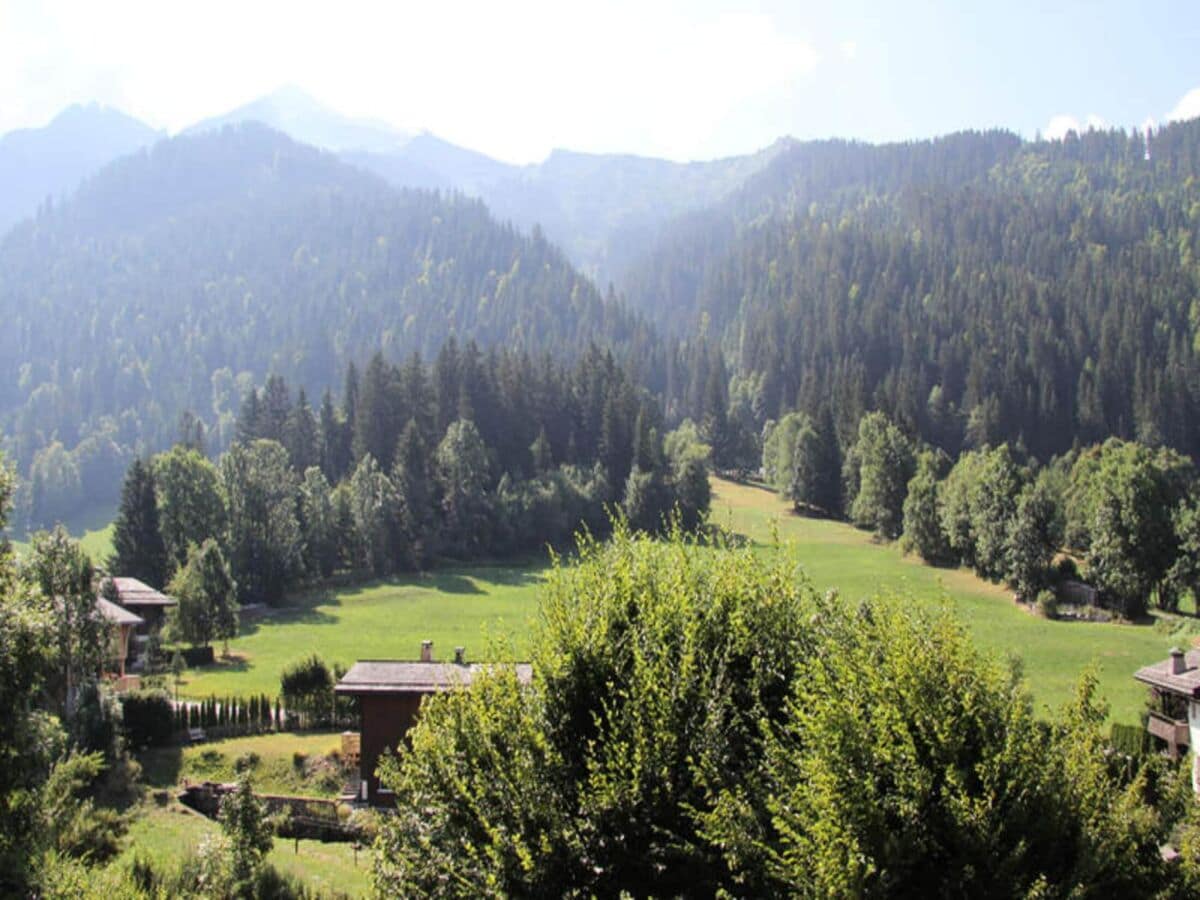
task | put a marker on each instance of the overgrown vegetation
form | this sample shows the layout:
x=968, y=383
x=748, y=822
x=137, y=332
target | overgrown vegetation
x=702, y=721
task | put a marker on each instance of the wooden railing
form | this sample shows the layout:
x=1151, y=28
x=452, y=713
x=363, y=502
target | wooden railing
x=1173, y=731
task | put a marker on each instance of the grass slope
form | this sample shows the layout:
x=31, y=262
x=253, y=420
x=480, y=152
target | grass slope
x=482, y=606
x=163, y=832
x=487, y=609
x=93, y=528
x=275, y=772
x=837, y=555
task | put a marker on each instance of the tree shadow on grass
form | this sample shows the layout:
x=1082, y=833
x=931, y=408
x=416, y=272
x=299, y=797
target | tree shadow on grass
x=308, y=609
x=452, y=583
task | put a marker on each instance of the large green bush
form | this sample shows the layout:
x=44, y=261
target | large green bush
x=700, y=722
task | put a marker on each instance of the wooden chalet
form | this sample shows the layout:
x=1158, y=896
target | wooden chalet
x=1174, y=717
x=389, y=693
x=123, y=624
x=144, y=602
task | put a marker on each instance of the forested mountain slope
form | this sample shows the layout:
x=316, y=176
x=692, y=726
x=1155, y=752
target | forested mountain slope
x=977, y=288
x=603, y=209
x=179, y=276
x=37, y=164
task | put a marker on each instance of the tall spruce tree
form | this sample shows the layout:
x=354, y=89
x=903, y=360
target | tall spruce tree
x=138, y=548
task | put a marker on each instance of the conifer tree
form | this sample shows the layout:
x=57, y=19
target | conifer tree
x=138, y=548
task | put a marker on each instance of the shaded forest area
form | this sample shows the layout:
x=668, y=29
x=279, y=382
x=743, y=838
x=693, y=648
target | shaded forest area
x=977, y=289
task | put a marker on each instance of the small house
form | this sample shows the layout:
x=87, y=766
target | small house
x=144, y=602
x=123, y=624
x=1174, y=716
x=389, y=694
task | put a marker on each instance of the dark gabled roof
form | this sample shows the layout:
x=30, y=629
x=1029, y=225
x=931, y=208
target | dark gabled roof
x=131, y=592
x=1187, y=682
x=391, y=676
x=115, y=614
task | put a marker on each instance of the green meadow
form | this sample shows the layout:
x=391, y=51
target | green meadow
x=491, y=609
x=93, y=528
x=1053, y=653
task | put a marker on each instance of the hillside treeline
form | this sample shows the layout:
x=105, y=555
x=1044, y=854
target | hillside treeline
x=178, y=277
x=477, y=455
x=977, y=289
x=1129, y=513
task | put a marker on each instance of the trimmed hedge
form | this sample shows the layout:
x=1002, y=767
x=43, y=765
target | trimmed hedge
x=148, y=719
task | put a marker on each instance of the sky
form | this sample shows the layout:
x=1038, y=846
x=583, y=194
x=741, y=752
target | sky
x=686, y=80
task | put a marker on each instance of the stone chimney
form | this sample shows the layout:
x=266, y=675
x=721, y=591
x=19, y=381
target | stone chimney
x=460, y=655
x=426, y=651
x=1178, y=661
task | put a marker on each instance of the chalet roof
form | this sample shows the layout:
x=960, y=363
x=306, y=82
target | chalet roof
x=392, y=676
x=131, y=592
x=1160, y=675
x=115, y=614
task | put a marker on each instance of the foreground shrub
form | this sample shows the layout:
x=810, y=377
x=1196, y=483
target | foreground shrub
x=701, y=722
x=655, y=667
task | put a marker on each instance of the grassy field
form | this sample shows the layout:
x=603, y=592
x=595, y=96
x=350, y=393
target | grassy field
x=283, y=763
x=836, y=555
x=163, y=834
x=483, y=607
x=93, y=528
x=487, y=609
x=163, y=831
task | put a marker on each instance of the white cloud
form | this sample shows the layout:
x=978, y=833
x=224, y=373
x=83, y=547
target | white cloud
x=1058, y=126
x=1188, y=107
x=849, y=50
x=512, y=79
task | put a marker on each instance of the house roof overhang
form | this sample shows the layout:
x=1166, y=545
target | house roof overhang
x=1185, y=683
x=373, y=677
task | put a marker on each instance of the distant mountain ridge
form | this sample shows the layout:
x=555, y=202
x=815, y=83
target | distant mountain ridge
x=603, y=209
x=178, y=276
x=296, y=114
x=37, y=164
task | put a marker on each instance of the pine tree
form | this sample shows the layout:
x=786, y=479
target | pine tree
x=138, y=549
x=303, y=440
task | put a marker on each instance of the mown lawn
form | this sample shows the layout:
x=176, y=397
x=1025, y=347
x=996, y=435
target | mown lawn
x=487, y=609
x=491, y=609
x=836, y=555
x=283, y=763
x=164, y=834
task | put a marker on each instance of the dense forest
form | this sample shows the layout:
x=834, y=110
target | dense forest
x=178, y=277
x=976, y=288
x=475, y=456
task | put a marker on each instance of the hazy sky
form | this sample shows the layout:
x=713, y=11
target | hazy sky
x=682, y=80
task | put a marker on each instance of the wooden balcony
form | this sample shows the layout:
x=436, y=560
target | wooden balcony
x=1173, y=731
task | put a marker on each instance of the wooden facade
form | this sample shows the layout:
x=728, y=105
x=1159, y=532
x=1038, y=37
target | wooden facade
x=1174, y=717
x=389, y=694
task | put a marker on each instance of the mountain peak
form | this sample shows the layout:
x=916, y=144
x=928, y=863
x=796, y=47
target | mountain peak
x=292, y=110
